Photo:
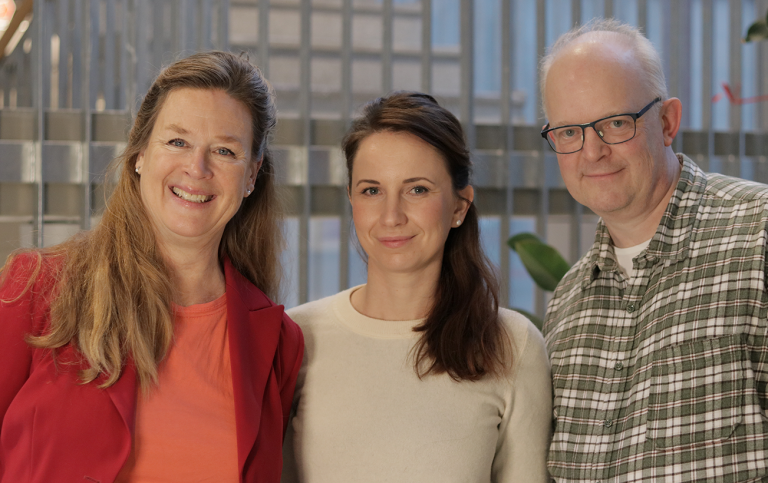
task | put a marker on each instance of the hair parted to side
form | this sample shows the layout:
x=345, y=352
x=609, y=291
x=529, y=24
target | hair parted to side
x=633, y=38
x=462, y=334
x=114, y=294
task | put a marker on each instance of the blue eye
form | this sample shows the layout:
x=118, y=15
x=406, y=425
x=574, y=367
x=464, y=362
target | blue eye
x=179, y=143
x=225, y=152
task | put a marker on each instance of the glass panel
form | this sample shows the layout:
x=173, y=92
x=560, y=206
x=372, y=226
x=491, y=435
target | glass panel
x=521, y=287
x=289, y=259
x=323, y=256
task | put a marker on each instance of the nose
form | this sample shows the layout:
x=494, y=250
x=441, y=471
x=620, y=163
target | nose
x=594, y=147
x=198, y=167
x=393, y=214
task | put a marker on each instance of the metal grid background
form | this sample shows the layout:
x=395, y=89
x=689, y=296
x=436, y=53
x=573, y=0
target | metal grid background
x=75, y=77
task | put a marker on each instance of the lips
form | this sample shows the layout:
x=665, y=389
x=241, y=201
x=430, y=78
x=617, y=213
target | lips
x=602, y=175
x=395, y=241
x=193, y=198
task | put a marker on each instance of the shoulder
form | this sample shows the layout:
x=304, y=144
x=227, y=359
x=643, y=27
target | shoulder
x=568, y=289
x=517, y=325
x=21, y=267
x=312, y=313
x=27, y=275
x=27, y=288
x=734, y=189
x=528, y=346
x=729, y=202
x=731, y=210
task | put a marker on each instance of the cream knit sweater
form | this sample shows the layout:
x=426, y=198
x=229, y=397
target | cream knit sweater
x=362, y=414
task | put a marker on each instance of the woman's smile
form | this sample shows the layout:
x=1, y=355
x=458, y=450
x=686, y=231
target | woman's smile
x=403, y=202
x=396, y=241
x=197, y=166
x=190, y=196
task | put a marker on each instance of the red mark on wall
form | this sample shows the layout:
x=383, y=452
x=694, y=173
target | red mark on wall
x=733, y=97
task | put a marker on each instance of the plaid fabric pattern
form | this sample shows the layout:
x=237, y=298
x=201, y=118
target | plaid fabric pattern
x=664, y=377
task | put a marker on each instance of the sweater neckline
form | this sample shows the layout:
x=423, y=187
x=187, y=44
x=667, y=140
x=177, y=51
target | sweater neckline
x=368, y=326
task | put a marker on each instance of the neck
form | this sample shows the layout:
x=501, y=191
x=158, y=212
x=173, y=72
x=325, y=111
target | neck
x=196, y=274
x=631, y=229
x=397, y=296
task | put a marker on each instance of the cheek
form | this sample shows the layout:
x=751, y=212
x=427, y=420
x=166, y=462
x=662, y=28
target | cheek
x=362, y=214
x=568, y=171
x=437, y=215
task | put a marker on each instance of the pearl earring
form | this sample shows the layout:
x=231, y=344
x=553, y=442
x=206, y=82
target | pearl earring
x=137, y=170
x=247, y=192
x=458, y=222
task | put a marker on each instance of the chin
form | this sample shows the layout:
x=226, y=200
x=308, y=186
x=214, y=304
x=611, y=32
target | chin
x=608, y=203
x=188, y=231
x=390, y=265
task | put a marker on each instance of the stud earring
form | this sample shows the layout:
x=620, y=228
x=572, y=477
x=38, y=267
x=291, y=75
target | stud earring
x=458, y=222
x=137, y=170
x=247, y=192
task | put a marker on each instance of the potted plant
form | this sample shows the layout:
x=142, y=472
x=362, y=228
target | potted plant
x=543, y=263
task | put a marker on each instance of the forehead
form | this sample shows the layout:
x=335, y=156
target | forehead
x=210, y=106
x=594, y=78
x=397, y=155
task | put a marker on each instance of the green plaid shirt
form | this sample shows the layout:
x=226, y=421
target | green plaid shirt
x=663, y=377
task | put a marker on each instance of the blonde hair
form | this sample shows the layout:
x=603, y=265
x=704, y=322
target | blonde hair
x=645, y=53
x=114, y=293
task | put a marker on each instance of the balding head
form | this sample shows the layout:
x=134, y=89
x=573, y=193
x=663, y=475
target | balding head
x=603, y=75
x=622, y=40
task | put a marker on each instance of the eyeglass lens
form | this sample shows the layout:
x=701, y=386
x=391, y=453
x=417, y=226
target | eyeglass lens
x=613, y=130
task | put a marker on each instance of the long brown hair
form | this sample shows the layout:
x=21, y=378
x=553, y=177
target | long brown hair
x=113, y=298
x=462, y=334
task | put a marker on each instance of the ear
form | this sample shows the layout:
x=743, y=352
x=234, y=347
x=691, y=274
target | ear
x=253, y=173
x=464, y=200
x=671, y=112
x=139, y=161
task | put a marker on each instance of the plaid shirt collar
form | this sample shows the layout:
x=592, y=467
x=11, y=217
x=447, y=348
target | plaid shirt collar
x=673, y=234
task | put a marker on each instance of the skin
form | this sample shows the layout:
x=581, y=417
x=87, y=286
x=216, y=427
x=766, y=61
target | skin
x=629, y=185
x=403, y=206
x=201, y=144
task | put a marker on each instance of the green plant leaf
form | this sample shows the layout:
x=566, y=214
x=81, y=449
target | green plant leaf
x=521, y=237
x=545, y=265
x=536, y=321
x=757, y=31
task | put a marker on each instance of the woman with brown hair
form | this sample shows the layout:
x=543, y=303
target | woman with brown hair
x=417, y=375
x=148, y=349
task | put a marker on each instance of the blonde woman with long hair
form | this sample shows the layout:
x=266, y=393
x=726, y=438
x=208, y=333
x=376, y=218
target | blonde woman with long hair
x=148, y=349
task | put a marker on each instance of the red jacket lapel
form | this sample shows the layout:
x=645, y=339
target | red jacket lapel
x=123, y=394
x=254, y=324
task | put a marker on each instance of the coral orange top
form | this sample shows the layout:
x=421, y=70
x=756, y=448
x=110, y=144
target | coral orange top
x=185, y=426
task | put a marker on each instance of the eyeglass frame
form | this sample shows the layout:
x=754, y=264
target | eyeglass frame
x=634, y=115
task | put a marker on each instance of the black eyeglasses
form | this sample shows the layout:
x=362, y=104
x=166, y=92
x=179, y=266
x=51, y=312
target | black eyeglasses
x=612, y=130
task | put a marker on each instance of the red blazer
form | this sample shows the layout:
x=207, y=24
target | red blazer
x=55, y=429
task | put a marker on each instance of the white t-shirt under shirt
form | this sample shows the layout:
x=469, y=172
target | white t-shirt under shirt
x=624, y=256
x=362, y=413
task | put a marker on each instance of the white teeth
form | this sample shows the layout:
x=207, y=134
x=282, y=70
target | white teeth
x=190, y=197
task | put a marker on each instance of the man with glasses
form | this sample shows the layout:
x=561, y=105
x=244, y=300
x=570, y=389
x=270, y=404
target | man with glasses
x=658, y=336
